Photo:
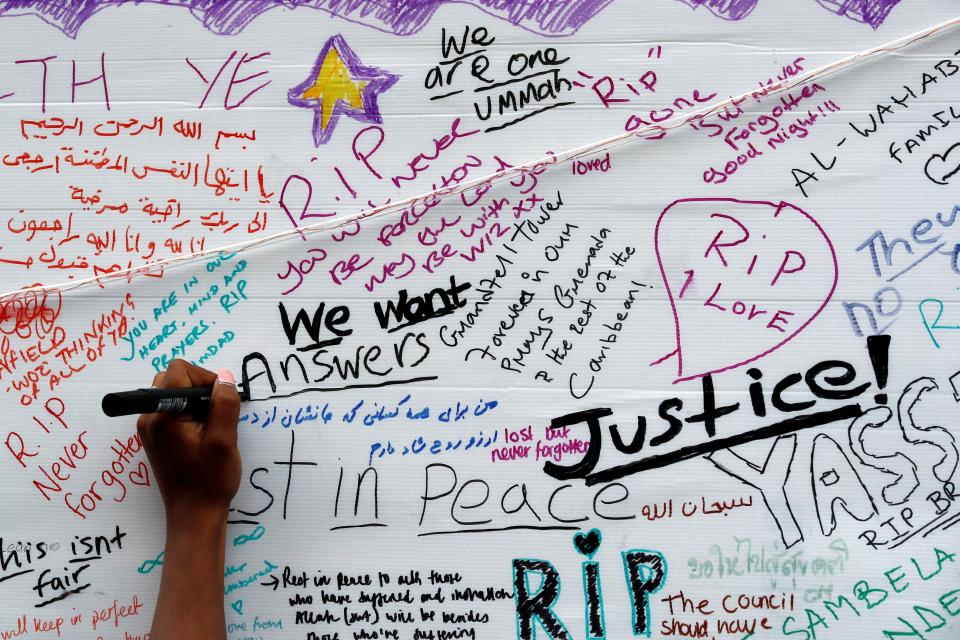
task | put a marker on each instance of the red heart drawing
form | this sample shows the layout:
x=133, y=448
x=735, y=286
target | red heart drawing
x=744, y=278
x=141, y=476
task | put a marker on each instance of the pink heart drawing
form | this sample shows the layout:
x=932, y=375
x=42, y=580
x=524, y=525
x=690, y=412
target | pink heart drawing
x=141, y=476
x=744, y=278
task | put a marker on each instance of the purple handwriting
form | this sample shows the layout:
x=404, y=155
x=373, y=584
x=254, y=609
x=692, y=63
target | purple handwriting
x=753, y=253
x=406, y=17
x=871, y=12
x=726, y=9
x=399, y=17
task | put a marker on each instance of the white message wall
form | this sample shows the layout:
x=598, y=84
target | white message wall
x=694, y=381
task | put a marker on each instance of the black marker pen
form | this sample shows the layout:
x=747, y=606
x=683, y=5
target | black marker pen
x=153, y=400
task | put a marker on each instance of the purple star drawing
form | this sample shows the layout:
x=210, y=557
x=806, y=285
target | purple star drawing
x=340, y=84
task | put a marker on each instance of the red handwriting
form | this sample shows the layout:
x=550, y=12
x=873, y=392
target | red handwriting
x=87, y=237
x=234, y=81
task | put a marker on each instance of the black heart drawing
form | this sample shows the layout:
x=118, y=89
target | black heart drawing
x=587, y=543
x=944, y=166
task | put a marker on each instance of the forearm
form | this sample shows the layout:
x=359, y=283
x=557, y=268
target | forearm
x=190, y=602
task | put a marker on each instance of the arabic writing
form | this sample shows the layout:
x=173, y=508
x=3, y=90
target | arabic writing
x=373, y=413
x=115, y=197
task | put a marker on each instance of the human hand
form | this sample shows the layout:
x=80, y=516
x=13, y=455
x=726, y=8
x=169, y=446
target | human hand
x=196, y=463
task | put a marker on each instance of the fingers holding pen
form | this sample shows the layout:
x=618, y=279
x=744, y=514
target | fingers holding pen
x=194, y=455
x=181, y=373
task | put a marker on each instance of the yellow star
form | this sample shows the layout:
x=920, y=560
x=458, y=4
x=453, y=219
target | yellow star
x=339, y=84
x=333, y=83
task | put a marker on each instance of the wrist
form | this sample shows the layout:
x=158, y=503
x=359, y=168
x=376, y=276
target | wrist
x=194, y=519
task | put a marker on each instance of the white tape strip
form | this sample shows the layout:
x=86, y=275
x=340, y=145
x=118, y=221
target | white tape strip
x=559, y=158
